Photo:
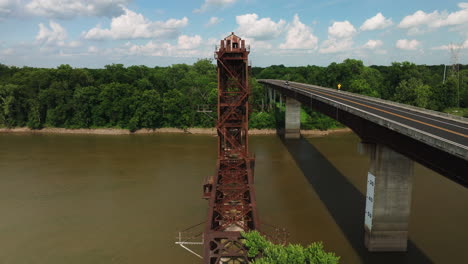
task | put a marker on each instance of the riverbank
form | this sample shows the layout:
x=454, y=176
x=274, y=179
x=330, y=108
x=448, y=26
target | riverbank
x=116, y=131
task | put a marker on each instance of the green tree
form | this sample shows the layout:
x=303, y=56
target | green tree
x=405, y=91
x=85, y=102
x=361, y=86
x=450, y=92
x=148, y=113
x=204, y=67
x=144, y=84
x=115, y=103
x=176, y=111
x=261, y=120
x=375, y=80
x=56, y=100
x=464, y=88
x=413, y=92
x=311, y=119
x=80, y=77
x=116, y=73
x=34, y=115
x=266, y=252
x=423, y=95
x=175, y=75
x=13, y=106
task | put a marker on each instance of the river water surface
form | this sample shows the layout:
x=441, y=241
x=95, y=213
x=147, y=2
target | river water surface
x=121, y=199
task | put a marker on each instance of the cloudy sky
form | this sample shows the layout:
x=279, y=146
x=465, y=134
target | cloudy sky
x=93, y=33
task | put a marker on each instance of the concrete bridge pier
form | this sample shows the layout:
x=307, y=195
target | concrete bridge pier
x=293, y=118
x=388, y=199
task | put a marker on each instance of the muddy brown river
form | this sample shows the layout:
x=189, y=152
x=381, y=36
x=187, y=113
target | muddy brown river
x=122, y=199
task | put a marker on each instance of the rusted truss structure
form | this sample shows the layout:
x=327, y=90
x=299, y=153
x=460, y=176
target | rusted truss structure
x=230, y=191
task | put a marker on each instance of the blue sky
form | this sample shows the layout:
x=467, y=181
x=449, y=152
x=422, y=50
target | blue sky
x=93, y=33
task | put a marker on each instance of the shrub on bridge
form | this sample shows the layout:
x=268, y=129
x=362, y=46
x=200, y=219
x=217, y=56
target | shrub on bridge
x=266, y=252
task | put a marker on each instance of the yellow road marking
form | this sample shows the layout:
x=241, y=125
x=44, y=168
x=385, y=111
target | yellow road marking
x=390, y=113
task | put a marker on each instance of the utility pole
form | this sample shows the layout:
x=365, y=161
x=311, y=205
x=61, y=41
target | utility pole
x=455, y=55
x=445, y=70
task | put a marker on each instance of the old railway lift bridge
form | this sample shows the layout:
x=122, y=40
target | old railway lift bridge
x=393, y=135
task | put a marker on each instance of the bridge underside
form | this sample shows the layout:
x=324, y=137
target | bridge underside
x=453, y=167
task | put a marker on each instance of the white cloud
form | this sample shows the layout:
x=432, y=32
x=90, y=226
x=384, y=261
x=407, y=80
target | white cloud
x=299, y=36
x=74, y=44
x=187, y=46
x=340, y=38
x=212, y=4
x=334, y=45
x=341, y=30
x=7, y=7
x=373, y=44
x=259, y=29
x=212, y=42
x=436, y=19
x=406, y=44
x=92, y=49
x=151, y=49
x=8, y=51
x=450, y=46
x=213, y=21
x=257, y=45
x=459, y=17
x=187, y=42
x=420, y=18
x=131, y=25
x=55, y=35
x=71, y=8
x=376, y=22
x=461, y=29
x=417, y=31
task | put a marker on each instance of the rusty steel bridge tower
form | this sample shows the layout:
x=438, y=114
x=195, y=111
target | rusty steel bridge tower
x=230, y=192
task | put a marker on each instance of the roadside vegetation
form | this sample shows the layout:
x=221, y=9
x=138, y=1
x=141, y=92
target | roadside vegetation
x=142, y=97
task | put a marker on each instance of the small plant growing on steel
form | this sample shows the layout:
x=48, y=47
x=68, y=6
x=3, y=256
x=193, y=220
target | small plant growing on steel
x=265, y=252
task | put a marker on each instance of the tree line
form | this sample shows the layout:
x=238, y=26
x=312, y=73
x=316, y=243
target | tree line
x=143, y=97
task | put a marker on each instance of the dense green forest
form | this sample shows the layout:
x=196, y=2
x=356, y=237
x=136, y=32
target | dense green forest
x=142, y=97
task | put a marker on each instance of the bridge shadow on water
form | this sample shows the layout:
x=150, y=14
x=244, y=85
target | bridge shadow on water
x=344, y=202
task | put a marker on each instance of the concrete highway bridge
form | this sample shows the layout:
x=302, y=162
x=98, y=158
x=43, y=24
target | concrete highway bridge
x=394, y=136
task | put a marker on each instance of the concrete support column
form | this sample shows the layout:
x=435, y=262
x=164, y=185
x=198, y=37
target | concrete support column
x=293, y=118
x=388, y=199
